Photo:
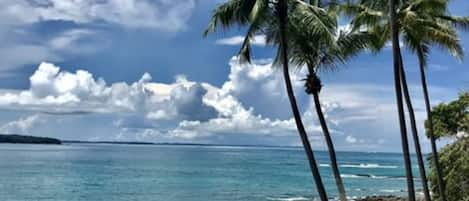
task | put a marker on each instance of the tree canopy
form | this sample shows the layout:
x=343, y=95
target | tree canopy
x=452, y=118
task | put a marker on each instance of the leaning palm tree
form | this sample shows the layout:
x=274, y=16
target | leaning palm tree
x=308, y=49
x=421, y=23
x=317, y=56
x=282, y=13
x=263, y=16
x=317, y=50
x=347, y=45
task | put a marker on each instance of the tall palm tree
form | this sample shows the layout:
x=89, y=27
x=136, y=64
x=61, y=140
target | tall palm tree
x=306, y=50
x=316, y=51
x=437, y=29
x=313, y=87
x=422, y=24
x=381, y=18
x=397, y=85
x=282, y=13
x=278, y=18
x=413, y=125
x=347, y=44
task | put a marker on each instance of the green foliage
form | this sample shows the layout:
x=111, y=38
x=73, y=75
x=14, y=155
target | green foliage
x=454, y=160
x=313, y=39
x=421, y=23
x=450, y=118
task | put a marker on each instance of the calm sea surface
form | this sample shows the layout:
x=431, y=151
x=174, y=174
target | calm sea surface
x=80, y=172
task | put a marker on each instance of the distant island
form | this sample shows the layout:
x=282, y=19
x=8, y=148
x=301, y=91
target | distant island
x=106, y=142
x=23, y=139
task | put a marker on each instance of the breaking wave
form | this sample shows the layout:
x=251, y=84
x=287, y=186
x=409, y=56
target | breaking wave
x=363, y=165
x=368, y=165
x=290, y=199
x=367, y=176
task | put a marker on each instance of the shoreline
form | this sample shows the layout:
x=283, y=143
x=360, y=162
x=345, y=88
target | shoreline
x=386, y=198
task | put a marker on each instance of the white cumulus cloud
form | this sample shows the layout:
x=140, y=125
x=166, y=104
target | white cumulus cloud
x=250, y=107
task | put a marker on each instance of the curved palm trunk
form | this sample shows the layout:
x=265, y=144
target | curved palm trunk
x=436, y=160
x=327, y=135
x=282, y=15
x=400, y=106
x=418, y=151
x=330, y=147
x=313, y=86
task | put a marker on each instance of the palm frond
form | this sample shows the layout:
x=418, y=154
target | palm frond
x=255, y=27
x=317, y=19
x=457, y=21
x=230, y=13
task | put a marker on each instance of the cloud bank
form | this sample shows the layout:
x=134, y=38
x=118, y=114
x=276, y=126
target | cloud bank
x=249, y=108
x=83, y=26
x=161, y=14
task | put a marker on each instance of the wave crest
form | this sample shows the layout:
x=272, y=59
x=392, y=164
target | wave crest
x=290, y=199
x=363, y=176
x=362, y=165
x=368, y=165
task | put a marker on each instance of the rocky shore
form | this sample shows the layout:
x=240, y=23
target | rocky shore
x=385, y=198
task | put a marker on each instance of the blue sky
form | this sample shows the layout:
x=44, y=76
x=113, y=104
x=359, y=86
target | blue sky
x=140, y=70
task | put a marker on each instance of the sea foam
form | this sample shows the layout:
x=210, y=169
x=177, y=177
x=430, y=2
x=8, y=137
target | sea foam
x=290, y=199
x=368, y=165
x=362, y=165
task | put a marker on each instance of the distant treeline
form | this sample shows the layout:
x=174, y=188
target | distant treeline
x=106, y=142
x=21, y=139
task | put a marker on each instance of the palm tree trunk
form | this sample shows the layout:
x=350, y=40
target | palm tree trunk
x=327, y=135
x=418, y=151
x=330, y=147
x=282, y=10
x=400, y=106
x=436, y=160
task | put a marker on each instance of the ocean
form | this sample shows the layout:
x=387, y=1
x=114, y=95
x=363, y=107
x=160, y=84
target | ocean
x=98, y=172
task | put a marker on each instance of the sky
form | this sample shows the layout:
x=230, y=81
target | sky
x=140, y=70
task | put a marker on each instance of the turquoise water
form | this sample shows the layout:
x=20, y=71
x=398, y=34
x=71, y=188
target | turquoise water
x=78, y=172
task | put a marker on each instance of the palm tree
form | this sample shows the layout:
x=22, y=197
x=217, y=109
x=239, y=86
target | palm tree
x=278, y=18
x=348, y=44
x=282, y=12
x=372, y=14
x=398, y=90
x=323, y=53
x=313, y=87
x=413, y=124
x=316, y=51
x=437, y=30
x=421, y=23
